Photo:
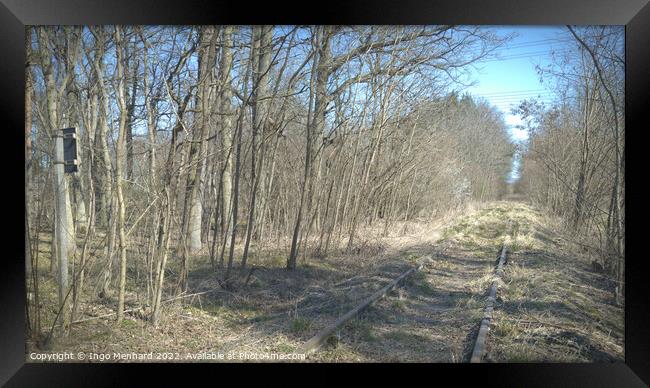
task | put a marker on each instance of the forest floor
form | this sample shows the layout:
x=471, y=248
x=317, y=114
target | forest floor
x=550, y=305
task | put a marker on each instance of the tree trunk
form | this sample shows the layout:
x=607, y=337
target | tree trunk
x=106, y=185
x=120, y=152
x=260, y=116
x=29, y=90
x=191, y=232
x=315, y=124
x=225, y=129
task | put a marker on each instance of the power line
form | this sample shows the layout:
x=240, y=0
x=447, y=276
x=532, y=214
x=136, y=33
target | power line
x=545, y=40
x=514, y=94
x=516, y=91
x=542, y=42
x=546, y=97
x=508, y=98
x=511, y=93
x=505, y=101
x=526, y=55
x=521, y=96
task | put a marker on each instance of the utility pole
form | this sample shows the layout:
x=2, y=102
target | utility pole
x=65, y=161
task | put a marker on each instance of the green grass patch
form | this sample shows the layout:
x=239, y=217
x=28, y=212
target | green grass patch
x=300, y=325
x=213, y=308
x=129, y=324
x=505, y=328
x=399, y=335
x=261, y=318
x=422, y=285
x=284, y=348
x=399, y=305
x=362, y=329
x=520, y=353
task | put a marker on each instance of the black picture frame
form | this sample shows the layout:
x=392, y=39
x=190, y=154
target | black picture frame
x=634, y=14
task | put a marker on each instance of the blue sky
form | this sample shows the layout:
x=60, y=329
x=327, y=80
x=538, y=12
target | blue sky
x=511, y=77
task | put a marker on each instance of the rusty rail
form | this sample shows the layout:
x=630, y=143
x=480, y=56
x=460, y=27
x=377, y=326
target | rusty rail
x=317, y=341
x=479, y=345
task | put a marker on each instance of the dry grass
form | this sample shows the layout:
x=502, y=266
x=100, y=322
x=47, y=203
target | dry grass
x=551, y=307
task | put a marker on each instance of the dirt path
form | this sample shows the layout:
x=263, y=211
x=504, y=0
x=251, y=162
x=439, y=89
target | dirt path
x=433, y=317
x=550, y=308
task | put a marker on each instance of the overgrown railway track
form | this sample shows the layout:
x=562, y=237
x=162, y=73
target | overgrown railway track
x=479, y=345
x=317, y=340
x=478, y=349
